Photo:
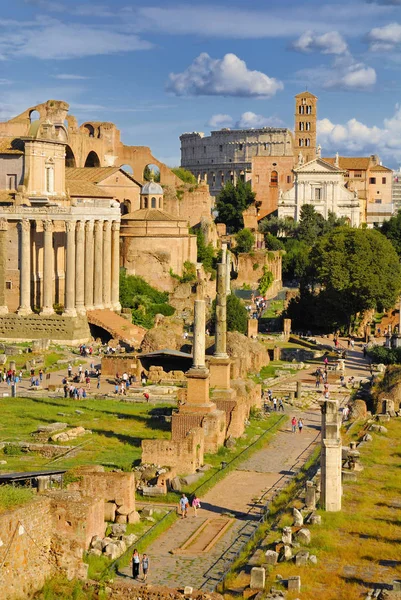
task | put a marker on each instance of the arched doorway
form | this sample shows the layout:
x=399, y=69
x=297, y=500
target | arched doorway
x=92, y=160
x=34, y=115
x=69, y=158
x=149, y=170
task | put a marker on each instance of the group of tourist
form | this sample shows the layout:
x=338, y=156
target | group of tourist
x=122, y=383
x=270, y=402
x=184, y=505
x=296, y=423
x=83, y=378
x=85, y=350
x=138, y=562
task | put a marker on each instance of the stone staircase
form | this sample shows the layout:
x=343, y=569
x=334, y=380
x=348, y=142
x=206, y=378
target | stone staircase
x=121, y=329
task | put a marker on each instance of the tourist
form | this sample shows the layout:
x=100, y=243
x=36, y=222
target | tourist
x=280, y=405
x=294, y=424
x=184, y=506
x=196, y=504
x=69, y=371
x=65, y=387
x=145, y=566
x=116, y=387
x=135, y=564
x=300, y=425
x=345, y=413
x=41, y=374
x=275, y=403
x=98, y=381
x=146, y=396
x=88, y=382
x=352, y=343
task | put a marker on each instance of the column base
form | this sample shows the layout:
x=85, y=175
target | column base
x=3, y=310
x=107, y=305
x=116, y=307
x=70, y=312
x=81, y=310
x=98, y=306
x=47, y=311
x=24, y=311
x=89, y=307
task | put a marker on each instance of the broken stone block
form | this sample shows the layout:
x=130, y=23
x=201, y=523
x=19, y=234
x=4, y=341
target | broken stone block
x=271, y=557
x=134, y=517
x=51, y=427
x=367, y=437
x=176, y=484
x=121, y=546
x=95, y=541
x=121, y=519
x=109, y=511
x=119, y=501
x=287, y=535
x=383, y=429
x=304, y=536
x=298, y=518
x=95, y=552
x=313, y=559
x=118, y=529
x=258, y=578
x=316, y=520
x=301, y=559
x=188, y=590
x=147, y=512
x=112, y=551
x=294, y=584
x=286, y=553
x=130, y=539
x=310, y=495
x=123, y=510
x=106, y=541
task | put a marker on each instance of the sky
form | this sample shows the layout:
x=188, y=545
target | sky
x=166, y=67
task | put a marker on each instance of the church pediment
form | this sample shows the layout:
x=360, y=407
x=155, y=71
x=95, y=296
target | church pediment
x=318, y=165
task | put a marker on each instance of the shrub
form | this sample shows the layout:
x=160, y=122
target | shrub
x=266, y=280
x=245, y=241
x=184, y=175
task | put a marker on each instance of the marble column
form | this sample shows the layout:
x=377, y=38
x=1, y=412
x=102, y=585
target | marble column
x=25, y=268
x=221, y=313
x=69, y=307
x=115, y=266
x=228, y=273
x=199, y=345
x=48, y=268
x=331, y=457
x=3, y=265
x=89, y=265
x=106, y=293
x=80, y=268
x=223, y=252
x=98, y=268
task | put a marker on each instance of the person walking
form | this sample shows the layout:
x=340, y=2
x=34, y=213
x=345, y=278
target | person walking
x=196, y=504
x=275, y=403
x=69, y=371
x=294, y=424
x=145, y=566
x=136, y=561
x=280, y=405
x=300, y=425
x=184, y=506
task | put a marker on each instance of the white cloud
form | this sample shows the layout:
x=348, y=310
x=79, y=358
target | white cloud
x=250, y=119
x=53, y=39
x=49, y=5
x=355, y=137
x=69, y=76
x=227, y=76
x=220, y=120
x=331, y=42
x=345, y=73
x=385, y=38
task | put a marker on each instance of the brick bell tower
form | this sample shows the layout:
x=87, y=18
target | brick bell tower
x=305, y=125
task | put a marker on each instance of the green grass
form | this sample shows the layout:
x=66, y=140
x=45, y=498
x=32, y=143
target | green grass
x=59, y=588
x=269, y=370
x=274, y=309
x=12, y=497
x=117, y=430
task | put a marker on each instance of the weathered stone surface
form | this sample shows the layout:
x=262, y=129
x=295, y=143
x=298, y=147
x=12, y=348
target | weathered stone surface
x=112, y=551
x=118, y=529
x=316, y=520
x=176, y=484
x=367, y=437
x=301, y=559
x=271, y=557
x=51, y=427
x=287, y=553
x=119, y=501
x=123, y=510
x=298, y=518
x=109, y=511
x=121, y=519
x=294, y=584
x=147, y=512
x=3, y=359
x=130, y=539
x=106, y=541
x=95, y=552
x=287, y=535
x=188, y=590
x=304, y=536
x=313, y=559
x=134, y=517
x=258, y=578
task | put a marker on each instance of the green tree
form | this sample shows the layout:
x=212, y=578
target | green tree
x=392, y=230
x=284, y=227
x=144, y=300
x=296, y=259
x=273, y=243
x=206, y=252
x=311, y=224
x=245, y=241
x=237, y=315
x=231, y=203
x=185, y=175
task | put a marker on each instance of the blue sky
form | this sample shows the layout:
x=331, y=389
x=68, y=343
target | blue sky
x=166, y=67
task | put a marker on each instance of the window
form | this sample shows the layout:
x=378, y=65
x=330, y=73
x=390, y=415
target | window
x=308, y=110
x=274, y=178
x=301, y=142
x=221, y=148
x=383, y=180
x=307, y=126
x=378, y=201
x=193, y=151
x=301, y=110
x=357, y=173
x=301, y=126
x=222, y=179
x=9, y=285
x=145, y=203
x=307, y=142
x=213, y=179
x=346, y=174
x=318, y=193
x=49, y=180
x=288, y=178
x=153, y=203
x=266, y=145
x=11, y=182
x=240, y=146
x=372, y=180
x=204, y=149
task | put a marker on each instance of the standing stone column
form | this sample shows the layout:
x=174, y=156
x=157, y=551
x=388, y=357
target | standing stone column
x=221, y=313
x=115, y=266
x=69, y=307
x=3, y=265
x=98, y=269
x=199, y=345
x=48, y=268
x=223, y=252
x=25, y=268
x=107, y=264
x=80, y=268
x=331, y=457
x=89, y=265
x=228, y=273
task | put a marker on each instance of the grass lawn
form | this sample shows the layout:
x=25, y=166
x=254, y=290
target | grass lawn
x=361, y=545
x=117, y=430
x=274, y=309
x=12, y=497
x=270, y=370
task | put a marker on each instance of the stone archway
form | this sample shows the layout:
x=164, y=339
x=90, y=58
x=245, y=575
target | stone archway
x=92, y=160
x=69, y=158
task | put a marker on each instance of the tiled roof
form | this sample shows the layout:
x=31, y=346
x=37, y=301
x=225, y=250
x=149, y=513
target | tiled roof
x=85, y=189
x=351, y=163
x=150, y=214
x=381, y=168
x=94, y=174
x=6, y=148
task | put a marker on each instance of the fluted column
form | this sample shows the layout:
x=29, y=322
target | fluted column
x=80, y=268
x=98, y=269
x=107, y=264
x=198, y=345
x=47, y=305
x=115, y=266
x=221, y=313
x=228, y=273
x=25, y=268
x=69, y=307
x=3, y=265
x=89, y=265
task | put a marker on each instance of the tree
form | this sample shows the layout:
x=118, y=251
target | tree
x=231, y=203
x=284, y=227
x=392, y=230
x=245, y=241
x=237, y=315
x=273, y=243
x=311, y=224
x=206, y=252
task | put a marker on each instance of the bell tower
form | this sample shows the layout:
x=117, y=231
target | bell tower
x=305, y=125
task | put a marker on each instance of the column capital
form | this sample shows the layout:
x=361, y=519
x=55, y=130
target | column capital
x=99, y=225
x=3, y=224
x=89, y=226
x=115, y=226
x=70, y=226
x=47, y=225
x=80, y=226
x=25, y=225
x=106, y=225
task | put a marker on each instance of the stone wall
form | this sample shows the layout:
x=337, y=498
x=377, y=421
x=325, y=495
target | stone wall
x=96, y=483
x=246, y=354
x=188, y=202
x=112, y=364
x=184, y=455
x=250, y=270
x=58, y=329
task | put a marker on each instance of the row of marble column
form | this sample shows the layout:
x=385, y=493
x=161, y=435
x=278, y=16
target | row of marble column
x=91, y=267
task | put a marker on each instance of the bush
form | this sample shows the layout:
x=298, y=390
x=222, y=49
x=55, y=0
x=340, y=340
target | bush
x=266, y=280
x=386, y=356
x=273, y=243
x=237, y=315
x=184, y=175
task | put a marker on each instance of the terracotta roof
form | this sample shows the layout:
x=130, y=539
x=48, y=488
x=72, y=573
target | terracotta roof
x=381, y=168
x=351, y=163
x=6, y=148
x=85, y=189
x=306, y=94
x=150, y=214
x=6, y=196
x=94, y=174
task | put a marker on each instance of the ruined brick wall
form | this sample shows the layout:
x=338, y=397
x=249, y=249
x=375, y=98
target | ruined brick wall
x=250, y=270
x=184, y=455
x=181, y=424
x=188, y=202
x=26, y=535
x=106, y=486
x=119, y=364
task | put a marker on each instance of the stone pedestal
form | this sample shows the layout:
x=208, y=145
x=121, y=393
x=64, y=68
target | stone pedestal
x=287, y=328
x=253, y=328
x=219, y=372
x=258, y=578
x=310, y=495
x=198, y=400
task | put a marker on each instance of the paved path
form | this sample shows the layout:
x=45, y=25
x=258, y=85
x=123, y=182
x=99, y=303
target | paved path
x=259, y=476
